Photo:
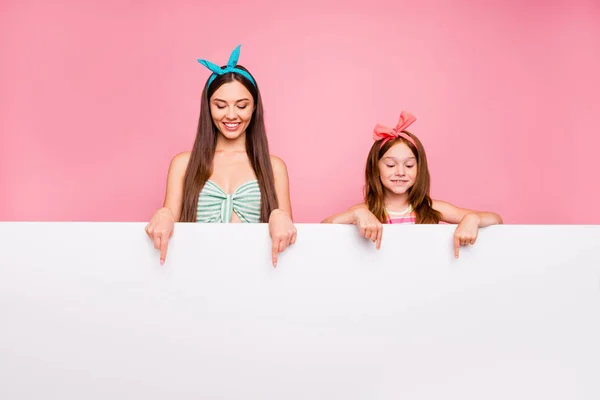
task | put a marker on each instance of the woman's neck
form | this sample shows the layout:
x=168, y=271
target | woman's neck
x=231, y=145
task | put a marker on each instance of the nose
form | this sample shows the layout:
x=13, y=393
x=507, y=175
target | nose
x=231, y=113
x=400, y=170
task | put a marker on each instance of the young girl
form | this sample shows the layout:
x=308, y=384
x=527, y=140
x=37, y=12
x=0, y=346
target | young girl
x=397, y=191
x=229, y=176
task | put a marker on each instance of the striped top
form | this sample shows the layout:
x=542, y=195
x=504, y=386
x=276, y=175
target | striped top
x=408, y=216
x=214, y=205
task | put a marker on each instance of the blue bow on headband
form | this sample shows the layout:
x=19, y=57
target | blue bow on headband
x=233, y=59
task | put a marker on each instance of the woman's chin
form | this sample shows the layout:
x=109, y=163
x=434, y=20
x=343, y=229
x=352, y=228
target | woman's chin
x=231, y=135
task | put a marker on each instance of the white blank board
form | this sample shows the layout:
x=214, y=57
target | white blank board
x=87, y=312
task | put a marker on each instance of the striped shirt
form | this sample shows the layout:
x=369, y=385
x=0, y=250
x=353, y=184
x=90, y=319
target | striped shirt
x=408, y=216
x=214, y=205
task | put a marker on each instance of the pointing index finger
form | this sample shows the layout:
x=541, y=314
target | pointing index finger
x=456, y=246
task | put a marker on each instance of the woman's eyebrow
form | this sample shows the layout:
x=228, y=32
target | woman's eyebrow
x=238, y=101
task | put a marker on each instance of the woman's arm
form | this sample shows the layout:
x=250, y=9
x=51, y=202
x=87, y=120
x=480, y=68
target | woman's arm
x=174, y=194
x=281, y=225
x=161, y=225
x=282, y=185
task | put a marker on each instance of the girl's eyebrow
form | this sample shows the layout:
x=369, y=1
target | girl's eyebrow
x=395, y=159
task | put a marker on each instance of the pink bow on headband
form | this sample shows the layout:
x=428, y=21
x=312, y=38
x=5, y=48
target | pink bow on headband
x=384, y=133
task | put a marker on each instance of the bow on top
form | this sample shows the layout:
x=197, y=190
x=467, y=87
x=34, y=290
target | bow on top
x=233, y=59
x=384, y=133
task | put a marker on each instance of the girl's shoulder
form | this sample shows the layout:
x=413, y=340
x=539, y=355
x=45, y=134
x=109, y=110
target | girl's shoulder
x=359, y=205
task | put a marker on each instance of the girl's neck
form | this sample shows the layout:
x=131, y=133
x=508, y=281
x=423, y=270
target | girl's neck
x=231, y=145
x=396, y=202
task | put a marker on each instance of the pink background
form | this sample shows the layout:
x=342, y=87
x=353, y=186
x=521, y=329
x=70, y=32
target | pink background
x=96, y=97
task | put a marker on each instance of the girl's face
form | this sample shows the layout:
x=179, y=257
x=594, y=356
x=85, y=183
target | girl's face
x=398, y=169
x=231, y=107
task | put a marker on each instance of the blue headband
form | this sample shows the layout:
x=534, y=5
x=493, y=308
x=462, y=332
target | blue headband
x=233, y=59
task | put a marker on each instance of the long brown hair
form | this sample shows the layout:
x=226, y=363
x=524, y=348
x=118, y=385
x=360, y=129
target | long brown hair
x=200, y=166
x=418, y=194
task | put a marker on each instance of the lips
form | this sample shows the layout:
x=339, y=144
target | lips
x=231, y=126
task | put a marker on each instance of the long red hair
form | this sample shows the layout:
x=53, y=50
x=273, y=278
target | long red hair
x=418, y=194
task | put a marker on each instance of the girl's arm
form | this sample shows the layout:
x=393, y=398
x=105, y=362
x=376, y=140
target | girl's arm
x=346, y=217
x=360, y=215
x=454, y=215
x=469, y=222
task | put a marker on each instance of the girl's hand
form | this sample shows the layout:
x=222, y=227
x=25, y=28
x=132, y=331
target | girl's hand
x=466, y=232
x=369, y=226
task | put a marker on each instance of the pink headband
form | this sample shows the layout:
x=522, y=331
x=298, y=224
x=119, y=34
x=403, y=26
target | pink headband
x=384, y=133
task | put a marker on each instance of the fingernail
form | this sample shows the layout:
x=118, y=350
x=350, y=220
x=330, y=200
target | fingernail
x=274, y=265
x=162, y=262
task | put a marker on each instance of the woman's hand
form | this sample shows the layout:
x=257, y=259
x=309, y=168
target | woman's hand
x=282, y=231
x=160, y=229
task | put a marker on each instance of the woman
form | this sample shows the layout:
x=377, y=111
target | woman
x=229, y=176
